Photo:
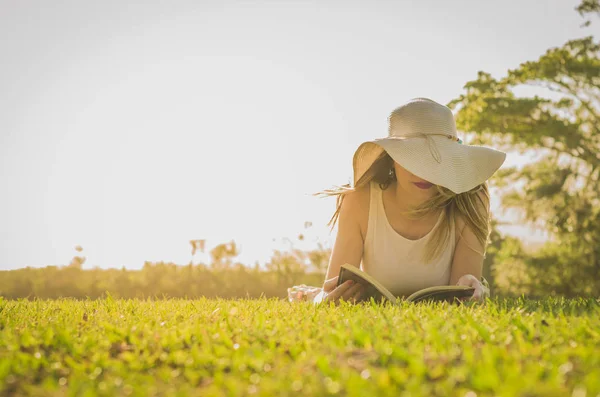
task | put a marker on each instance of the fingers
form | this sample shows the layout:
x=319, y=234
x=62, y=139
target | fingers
x=357, y=295
x=330, y=284
x=352, y=292
x=339, y=291
x=478, y=294
x=348, y=291
x=477, y=297
x=468, y=280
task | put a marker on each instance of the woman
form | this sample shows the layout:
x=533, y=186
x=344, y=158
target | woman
x=418, y=213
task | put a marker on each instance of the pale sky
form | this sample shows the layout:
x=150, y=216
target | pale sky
x=131, y=129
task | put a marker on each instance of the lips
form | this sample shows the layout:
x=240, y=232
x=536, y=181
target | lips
x=424, y=185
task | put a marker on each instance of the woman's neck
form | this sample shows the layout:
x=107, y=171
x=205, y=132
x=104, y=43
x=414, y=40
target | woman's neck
x=403, y=199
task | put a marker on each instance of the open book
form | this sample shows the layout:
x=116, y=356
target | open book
x=374, y=289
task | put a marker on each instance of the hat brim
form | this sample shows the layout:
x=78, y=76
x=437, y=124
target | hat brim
x=460, y=167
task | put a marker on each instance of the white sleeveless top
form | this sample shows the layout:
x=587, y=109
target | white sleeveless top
x=396, y=261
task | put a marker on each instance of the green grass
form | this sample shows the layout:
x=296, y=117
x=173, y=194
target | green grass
x=271, y=347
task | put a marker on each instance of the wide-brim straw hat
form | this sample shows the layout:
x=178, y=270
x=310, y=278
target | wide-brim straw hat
x=422, y=138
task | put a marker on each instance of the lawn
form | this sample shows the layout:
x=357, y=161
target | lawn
x=271, y=347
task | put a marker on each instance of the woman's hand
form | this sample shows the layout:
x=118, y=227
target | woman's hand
x=348, y=291
x=471, y=281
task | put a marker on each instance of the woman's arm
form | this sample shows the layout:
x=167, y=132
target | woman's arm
x=467, y=265
x=348, y=246
x=468, y=256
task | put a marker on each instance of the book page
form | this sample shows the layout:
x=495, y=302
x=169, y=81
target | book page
x=441, y=293
x=373, y=289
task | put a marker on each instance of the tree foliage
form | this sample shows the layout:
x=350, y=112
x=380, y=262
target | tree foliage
x=588, y=7
x=154, y=280
x=223, y=277
x=560, y=190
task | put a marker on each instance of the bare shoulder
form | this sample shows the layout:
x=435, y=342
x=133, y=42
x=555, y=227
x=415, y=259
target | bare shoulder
x=357, y=199
x=356, y=207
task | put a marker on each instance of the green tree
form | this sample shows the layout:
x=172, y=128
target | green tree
x=588, y=7
x=560, y=190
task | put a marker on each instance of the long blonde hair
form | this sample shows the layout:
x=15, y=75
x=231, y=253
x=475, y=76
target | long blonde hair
x=472, y=206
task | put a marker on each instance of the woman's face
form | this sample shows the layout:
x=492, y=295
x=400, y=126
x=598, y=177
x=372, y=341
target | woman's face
x=411, y=183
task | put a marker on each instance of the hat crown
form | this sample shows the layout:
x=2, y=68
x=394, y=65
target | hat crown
x=421, y=116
